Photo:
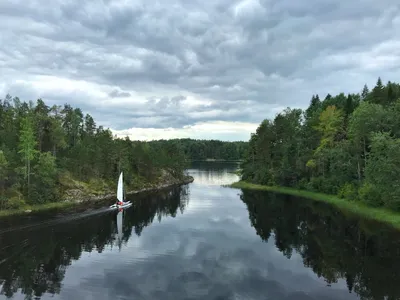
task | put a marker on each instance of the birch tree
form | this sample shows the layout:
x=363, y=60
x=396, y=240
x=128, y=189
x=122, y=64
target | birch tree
x=27, y=147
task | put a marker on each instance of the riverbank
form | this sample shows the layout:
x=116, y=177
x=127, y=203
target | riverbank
x=357, y=208
x=80, y=194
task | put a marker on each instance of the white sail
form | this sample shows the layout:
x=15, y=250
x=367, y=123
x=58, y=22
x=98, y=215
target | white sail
x=120, y=189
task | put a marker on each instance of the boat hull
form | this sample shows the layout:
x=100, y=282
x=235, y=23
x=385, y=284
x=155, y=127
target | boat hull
x=125, y=205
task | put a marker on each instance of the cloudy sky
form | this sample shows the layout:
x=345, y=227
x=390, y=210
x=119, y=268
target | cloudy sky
x=204, y=69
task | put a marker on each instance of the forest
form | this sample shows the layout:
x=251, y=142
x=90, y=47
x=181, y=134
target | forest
x=345, y=145
x=208, y=149
x=45, y=150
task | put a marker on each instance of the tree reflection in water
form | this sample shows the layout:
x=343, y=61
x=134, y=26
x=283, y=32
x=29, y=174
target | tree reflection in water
x=34, y=259
x=332, y=243
x=335, y=245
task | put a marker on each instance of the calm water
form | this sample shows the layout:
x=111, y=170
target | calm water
x=202, y=241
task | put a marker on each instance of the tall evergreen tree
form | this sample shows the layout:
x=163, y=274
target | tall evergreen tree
x=364, y=93
x=378, y=93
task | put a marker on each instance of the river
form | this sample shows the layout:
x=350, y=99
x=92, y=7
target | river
x=201, y=241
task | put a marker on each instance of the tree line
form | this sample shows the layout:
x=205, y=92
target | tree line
x=195, y=149
x=42, y=147
x=346, y=145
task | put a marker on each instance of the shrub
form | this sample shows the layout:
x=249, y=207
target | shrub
x=348, y=191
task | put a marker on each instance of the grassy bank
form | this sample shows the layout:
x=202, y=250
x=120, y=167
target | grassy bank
x=357, y=208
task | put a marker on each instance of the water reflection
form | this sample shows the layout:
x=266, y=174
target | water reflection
x=335, y=246
x=33, y=261
x=215, y=246
x=119, y=227
x=214, y=173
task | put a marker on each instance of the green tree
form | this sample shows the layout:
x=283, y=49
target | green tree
x=391, y=93
x=27, y=147
x=382, y=170
x=3, y=177
x=364, y=93
x=366, y=119
x=330, y=125
x=45, y=177
x=42, y=121
x=378, y=93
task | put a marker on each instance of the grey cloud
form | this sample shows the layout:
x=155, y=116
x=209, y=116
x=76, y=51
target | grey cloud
x=165, y=102
x=118, y=94
x=278, y=52
x=177, y=99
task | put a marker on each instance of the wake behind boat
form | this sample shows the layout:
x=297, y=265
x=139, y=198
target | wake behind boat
x=120, y=196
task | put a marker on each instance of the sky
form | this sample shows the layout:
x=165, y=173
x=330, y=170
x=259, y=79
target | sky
x=210, y=69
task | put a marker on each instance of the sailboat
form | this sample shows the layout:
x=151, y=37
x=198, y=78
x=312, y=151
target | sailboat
x=120, y=195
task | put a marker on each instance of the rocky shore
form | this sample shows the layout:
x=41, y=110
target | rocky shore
x=76, y=192
x=79, y=194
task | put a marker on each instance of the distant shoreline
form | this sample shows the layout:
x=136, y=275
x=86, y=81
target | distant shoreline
x=214, y=160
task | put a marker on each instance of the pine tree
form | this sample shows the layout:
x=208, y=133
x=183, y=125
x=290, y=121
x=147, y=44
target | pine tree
x=391, y=96
x=364, y=93
x=378, y=93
